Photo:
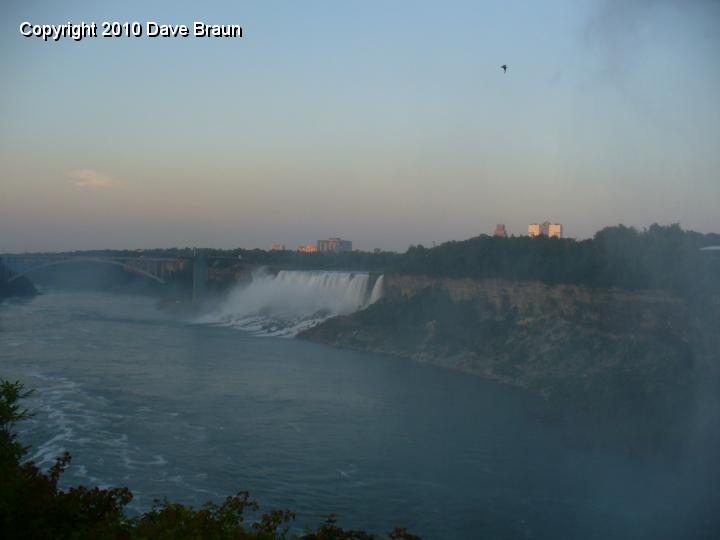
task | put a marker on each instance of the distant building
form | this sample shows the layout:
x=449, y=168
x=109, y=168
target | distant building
x=555, y=230
x=335, y=245
x=277, y=247
x=307, y=248
x=545, y=229
x=500, y=230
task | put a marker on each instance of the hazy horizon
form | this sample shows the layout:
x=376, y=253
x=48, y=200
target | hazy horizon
x=291, y=247
x=388, y=125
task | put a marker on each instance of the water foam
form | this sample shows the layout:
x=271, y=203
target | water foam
x=70, y=418
x=292, y=301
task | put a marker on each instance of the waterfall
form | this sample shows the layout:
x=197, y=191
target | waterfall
x=377, y=290
x=293, y=300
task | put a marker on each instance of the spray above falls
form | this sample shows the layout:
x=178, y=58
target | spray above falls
x=293, y=300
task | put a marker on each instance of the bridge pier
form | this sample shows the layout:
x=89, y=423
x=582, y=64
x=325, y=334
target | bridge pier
x=200, y=275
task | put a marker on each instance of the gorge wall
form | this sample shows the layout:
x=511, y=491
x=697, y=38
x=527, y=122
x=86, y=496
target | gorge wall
x=608, y=352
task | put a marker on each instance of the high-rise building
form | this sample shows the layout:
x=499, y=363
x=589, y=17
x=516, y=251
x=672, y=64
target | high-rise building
x=335, y=245
x=500, y=230
x=307, y=248
x=555, y=230
x=277, y=247
x=545, y=229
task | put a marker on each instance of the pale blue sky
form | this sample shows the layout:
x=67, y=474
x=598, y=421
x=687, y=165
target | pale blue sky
x=388, y=123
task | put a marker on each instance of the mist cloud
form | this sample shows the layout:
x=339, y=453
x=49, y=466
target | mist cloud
x=617, y=28
x=89, y=178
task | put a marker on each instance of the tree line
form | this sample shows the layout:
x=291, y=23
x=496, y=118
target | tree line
x=659, y=257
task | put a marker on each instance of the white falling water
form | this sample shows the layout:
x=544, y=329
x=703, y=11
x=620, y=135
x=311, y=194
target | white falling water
x=377, y=290
x=292, y=301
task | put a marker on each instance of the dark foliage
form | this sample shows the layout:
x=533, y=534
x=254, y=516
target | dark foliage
x=661, y=257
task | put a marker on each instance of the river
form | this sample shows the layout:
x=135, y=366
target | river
x=172, y=408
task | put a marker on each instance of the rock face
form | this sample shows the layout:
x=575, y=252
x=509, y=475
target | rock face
x=18, y=287
x=516, y=332
x=607, y=350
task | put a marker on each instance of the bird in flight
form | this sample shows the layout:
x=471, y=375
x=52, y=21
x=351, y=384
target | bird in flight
x=504, y=68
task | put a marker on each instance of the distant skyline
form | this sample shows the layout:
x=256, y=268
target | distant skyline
x=388, y=124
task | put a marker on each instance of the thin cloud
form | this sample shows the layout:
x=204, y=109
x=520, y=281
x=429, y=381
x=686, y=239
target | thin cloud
x=90, y=178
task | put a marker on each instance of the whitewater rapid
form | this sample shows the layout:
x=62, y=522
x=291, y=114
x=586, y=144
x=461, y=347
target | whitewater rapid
x=293, y=300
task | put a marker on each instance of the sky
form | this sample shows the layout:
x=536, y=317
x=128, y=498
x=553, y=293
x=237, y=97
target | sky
x=386, y=123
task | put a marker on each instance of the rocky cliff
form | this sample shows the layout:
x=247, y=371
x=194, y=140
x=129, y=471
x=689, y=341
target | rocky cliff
x=18, y=287
x=606, y=350
x=516, y=332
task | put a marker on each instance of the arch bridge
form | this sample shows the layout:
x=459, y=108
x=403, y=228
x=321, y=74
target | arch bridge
x=154, y=268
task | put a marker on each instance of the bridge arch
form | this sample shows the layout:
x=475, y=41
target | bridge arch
x=89, y=260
